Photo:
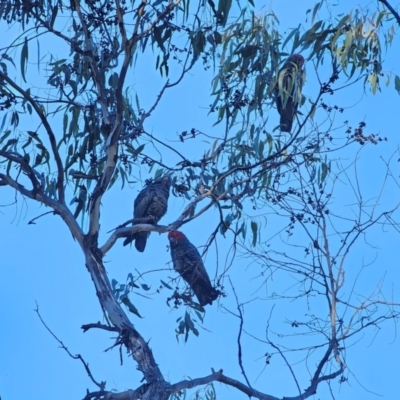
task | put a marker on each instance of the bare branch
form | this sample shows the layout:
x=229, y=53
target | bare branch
x=239, y=308
x=282, y=355
x=219, y=377
x=243, y=388
x=26, y=168
x=32, y=221
x=7, y=180
x=124, y=232
x=58, y=208
x=98, y=325
x=100, y=385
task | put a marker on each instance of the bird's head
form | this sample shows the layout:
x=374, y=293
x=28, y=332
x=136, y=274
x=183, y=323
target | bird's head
x=165, y=180
x=296, y=59
x=175, y=236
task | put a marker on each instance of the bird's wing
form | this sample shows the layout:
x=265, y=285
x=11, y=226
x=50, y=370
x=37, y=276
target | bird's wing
x=143, y=202
x=188, y=263
x=152, y=200
x=192, y=257
x=288, y=93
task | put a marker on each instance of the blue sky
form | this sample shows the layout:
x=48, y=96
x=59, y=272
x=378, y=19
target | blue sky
x=42, y=263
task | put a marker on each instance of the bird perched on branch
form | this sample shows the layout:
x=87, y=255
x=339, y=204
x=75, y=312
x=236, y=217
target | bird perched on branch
x=188, y=263
x=151, y=202
x=288, y=90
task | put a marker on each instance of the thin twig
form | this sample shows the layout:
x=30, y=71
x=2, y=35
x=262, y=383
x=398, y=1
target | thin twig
x=100, y=385
x=239, y=334
x=31, y=222
x=282, y=355
x=99, y=325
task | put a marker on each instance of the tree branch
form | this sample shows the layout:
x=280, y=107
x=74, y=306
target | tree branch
x=129, y=336
x=101, y=385
x=238, y=306
x=59, y=208
x=50, y=134
x=391, y=9
x=7, y=180
x=98, y=325
x=219, y=377
x=112, y=140
x=30, y=172
x=280, y=352
x=124, y=232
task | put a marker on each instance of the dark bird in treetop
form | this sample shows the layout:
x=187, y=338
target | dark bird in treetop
x=151, y=202
x=288, y=90
x=188, y=263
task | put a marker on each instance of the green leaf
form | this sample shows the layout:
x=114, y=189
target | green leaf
x=136, y=151
x=224, y=7
x=294, y=31
x=27, y=143
x=166, y=285
x=38, y=55
x=316, y=8
x=397, y=84
x=65, y=123
x=374, y=82
x=221, y=113
x=113, y=80
x=380, y=17
x=255, y=232
x=122, y=173
x=6, y=133
x=24, y=58
x=199, y=316
x=157, y=37
x=125, y=300
x=8, y=58
x=324, y=172
x=10, y=143
x=217, y=38
x=14, y=119
x=198, y=44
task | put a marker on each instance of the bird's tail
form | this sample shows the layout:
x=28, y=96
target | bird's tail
x=129, y=240
x=286, y=124
x=208, y=297
x=140, y=241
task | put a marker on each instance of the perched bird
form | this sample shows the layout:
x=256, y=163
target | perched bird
x=152, y=202
x=188, y=263
x=288, y=90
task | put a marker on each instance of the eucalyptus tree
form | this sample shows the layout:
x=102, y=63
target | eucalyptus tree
x=91, y=133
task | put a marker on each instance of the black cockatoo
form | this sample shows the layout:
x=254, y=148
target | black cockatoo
x=188, y=263
x=152, y=201
x=288, y=90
